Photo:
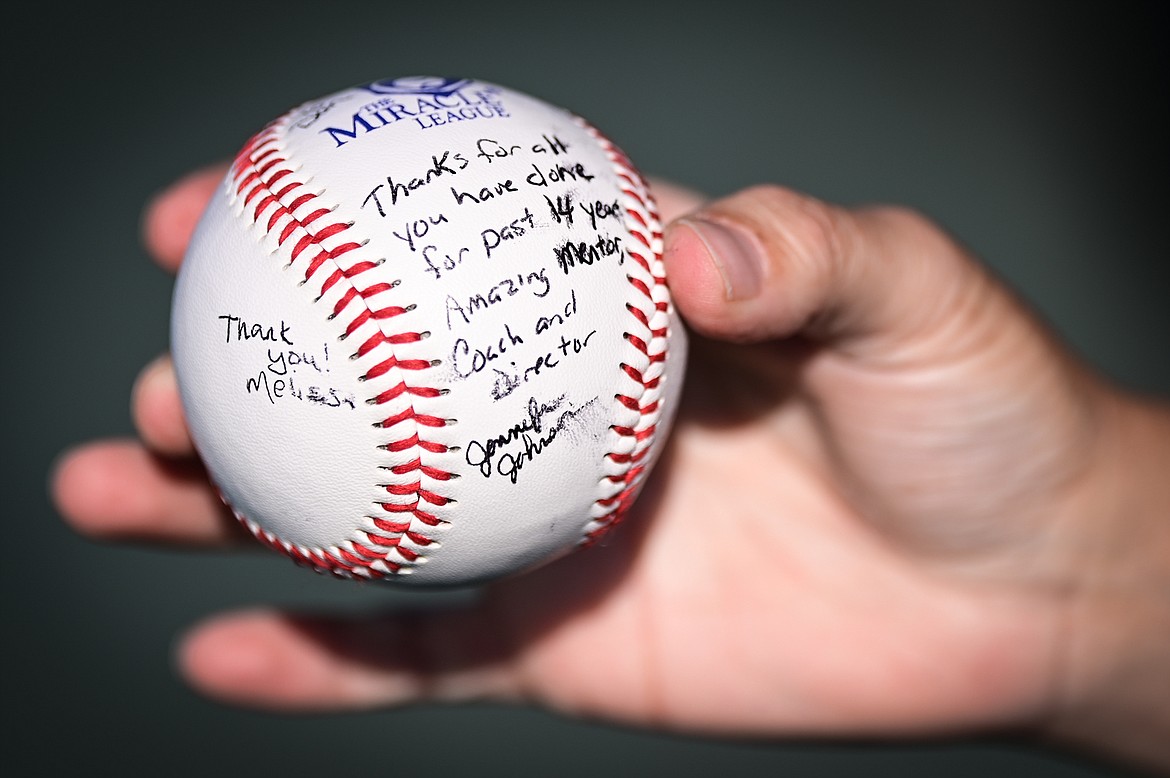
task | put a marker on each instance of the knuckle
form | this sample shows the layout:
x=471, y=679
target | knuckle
x=921, y=243
x=801, y=227
x=772, y=195
x=806, y=235
x=809, y=227
x=907, y=221
x=817, y=227
x=916, y=229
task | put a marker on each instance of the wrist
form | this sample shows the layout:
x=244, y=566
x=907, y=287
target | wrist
x=1114, y=683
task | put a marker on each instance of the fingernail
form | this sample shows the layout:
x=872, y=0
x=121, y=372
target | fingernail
x=736, y=255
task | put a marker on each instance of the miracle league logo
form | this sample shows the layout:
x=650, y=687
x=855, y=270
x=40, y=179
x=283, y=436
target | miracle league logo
x=426, y=101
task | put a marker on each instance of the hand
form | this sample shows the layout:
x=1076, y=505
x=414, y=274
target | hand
x=882, y=514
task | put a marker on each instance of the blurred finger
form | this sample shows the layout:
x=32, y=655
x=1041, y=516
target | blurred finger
x=288, y=662
x=119, y=490
x=172, y=215
x=674, y=200
x=535, y=637
x=157, y=411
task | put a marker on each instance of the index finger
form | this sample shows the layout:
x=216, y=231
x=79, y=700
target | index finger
x=674, y=200
x=171, y=216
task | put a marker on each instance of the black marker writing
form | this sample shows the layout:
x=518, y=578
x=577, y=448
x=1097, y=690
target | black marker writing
x=572, y=254
x=418, y=229
x=248, y=331
x=490, y=456
x=447, y=164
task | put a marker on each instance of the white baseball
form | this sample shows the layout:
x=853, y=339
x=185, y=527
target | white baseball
x=422, y=333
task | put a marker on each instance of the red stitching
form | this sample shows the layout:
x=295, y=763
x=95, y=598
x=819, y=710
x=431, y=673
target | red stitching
x=651, y=318
x=257, y=170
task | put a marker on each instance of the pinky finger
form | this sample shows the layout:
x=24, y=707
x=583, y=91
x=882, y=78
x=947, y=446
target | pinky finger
x=302, y=662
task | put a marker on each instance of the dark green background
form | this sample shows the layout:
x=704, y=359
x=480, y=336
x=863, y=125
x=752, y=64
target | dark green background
x=1036, y=133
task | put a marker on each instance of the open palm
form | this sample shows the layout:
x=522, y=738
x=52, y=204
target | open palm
x=842, y=536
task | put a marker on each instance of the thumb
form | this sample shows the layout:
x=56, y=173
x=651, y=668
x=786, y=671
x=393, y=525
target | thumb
x=768, y=262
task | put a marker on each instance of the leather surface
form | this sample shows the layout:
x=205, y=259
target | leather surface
x=510, y=342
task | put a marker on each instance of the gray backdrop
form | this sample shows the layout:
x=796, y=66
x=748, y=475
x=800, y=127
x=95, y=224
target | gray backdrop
x=1036, y=133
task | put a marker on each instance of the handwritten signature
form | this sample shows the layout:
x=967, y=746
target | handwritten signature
x=533, y=434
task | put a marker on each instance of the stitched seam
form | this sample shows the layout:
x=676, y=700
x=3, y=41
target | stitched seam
x=647, y=335
x=266, y=188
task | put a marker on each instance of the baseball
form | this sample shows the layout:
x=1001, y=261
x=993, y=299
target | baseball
x=422, y=333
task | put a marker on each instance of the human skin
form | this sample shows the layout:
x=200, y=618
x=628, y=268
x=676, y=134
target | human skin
x=893, y=504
